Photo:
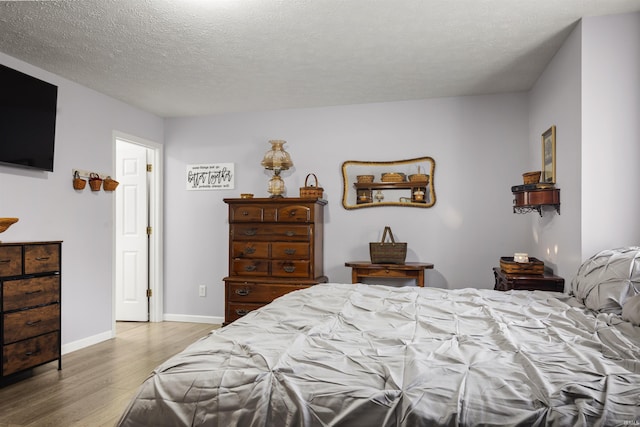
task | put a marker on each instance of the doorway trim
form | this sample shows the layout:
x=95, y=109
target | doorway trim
x=156, y=302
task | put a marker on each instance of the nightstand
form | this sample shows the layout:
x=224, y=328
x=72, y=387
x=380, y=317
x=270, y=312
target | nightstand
x=527, y=282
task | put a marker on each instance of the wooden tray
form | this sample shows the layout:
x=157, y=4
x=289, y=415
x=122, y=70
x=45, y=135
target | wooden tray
x=509, y=266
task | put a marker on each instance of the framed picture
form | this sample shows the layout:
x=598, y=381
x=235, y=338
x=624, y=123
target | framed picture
x=549, y=156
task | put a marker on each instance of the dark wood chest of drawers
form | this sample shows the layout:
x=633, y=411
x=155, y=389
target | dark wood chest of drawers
x=529, y=282
x=275, y=247
x=30, y=294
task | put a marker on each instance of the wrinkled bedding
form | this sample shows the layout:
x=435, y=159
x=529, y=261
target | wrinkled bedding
x=372, y=355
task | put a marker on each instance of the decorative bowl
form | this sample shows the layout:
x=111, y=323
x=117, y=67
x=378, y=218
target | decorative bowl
x=6, y=223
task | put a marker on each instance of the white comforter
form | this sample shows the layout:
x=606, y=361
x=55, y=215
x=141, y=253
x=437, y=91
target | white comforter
x=363, y=355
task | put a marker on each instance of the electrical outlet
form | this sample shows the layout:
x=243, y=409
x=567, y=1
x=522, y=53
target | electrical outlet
x=202, y=291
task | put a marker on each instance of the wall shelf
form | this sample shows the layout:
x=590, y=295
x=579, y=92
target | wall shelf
x=526, y=201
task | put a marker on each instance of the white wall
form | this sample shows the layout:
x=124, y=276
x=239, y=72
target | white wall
x=50, y=209
x=555, y=100
x=611, y=132
x=479, y=144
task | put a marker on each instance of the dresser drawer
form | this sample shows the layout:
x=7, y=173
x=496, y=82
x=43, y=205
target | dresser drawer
x=270, y=232
x=290, y=268
x=23, y=293
x=10, y=261
x=290, y=250
x=29, y=353
x=238, y=310
x=41, y=258
x=24, y=324
x=258, y=292
x=295, y=213
x=250, y=250
x=252, y=213
x=250, y=267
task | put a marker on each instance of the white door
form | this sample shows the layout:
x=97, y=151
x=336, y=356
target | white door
x=132, y=242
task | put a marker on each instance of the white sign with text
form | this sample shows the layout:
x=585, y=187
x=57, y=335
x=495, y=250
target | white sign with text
x=217, y=176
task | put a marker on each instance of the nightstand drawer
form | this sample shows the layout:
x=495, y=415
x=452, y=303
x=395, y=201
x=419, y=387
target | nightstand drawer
x=10, y=261
x=41, y=258
x=24, y=293
x=29, y=353
x=24, y=324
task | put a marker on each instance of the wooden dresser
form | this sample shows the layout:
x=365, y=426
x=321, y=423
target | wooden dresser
x=30, y=303
x=275, y=247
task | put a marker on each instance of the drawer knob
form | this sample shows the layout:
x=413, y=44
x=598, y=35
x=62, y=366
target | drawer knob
x=245, y=213
x=289, y=268
x=42, y=258
x=249, y=251
x=290, y=233
x=33, y=292
x=250, y=268
x=33, y=323
x=250, y=232
x=292, y=213
x=5, y=261
x=290, y=251
x=242, y=312
x=31, y=353
x=242, y=292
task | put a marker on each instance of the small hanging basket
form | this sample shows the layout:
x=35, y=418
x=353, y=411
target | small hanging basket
x=387, y=253
x=109, y=184
x=311, y=191
x=95, y=182
x=78, y=183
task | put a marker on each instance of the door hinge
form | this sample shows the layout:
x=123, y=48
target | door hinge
x=149, y=168
x=149, y=231
x=149, y=293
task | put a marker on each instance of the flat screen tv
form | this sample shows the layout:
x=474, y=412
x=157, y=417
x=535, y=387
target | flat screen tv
x=27, y=120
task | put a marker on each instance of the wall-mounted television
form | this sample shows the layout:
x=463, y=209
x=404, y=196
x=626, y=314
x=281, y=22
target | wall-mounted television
x=27, y=120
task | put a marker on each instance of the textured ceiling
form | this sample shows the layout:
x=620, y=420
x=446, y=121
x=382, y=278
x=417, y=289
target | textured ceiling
x=197, y=57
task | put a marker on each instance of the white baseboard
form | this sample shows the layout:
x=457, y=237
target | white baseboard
x=86, y=342
x=214, y=320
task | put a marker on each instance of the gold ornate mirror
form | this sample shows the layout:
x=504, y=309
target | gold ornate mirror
x=395, y=183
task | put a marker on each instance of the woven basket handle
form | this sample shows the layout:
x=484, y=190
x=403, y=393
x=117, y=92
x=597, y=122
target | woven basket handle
x=387, y=229
x=314, y=177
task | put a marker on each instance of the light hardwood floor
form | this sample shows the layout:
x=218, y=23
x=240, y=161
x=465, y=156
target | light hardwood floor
x=95, y=383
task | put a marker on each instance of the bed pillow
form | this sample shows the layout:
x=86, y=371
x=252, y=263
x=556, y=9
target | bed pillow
x=631, y=310
x=605, y=281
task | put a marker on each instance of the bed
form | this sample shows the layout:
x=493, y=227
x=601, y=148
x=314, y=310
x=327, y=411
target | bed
x=374, y=355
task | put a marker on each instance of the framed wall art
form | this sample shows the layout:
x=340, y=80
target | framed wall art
x=549, y=156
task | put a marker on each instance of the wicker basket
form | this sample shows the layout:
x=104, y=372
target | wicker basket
x=78, y=183
x=110, y=184
x=311, y=191
x=419, y=177
x=393, y=177
x=95, y=182
x=364, y=178
x=531, y=177
x=387, y=253
x=509, y=266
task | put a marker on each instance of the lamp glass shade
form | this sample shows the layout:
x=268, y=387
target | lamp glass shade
x=277, y=158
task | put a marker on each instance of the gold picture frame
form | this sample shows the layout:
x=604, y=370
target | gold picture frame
x=549, y=156
x=412, y=184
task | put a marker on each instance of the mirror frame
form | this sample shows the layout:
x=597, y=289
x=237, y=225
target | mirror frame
x=424, y=165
